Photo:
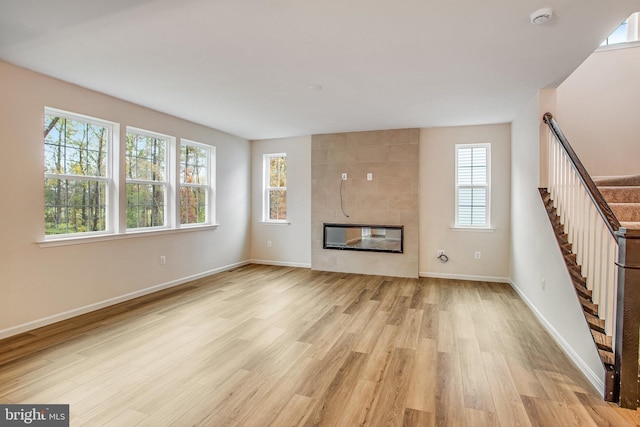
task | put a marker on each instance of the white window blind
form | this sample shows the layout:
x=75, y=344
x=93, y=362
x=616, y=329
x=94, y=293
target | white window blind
x=473, y=185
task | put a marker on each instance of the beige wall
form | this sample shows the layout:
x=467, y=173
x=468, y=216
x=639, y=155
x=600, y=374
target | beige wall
x=290, y=243
x=391, y=198
x=43, y=284
x=538, y=271
x=437, y=206
x=597, y=109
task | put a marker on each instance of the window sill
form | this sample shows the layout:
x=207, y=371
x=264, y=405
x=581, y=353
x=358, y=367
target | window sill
x=79, y=240
x=274, y=222
x=616, y=46
x=474, y=229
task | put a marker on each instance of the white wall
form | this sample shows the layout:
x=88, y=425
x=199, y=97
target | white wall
x=597, y=109
x=291, y=244
x=50, y=283
x=437, y=205
x=535, y=254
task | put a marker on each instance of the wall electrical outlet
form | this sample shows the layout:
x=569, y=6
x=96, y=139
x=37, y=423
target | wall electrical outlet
x=478, y=255
x=344, y=176
x=369, y=176
x=269, y=243
x=163, y=260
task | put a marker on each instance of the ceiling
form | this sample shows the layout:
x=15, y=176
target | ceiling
x=246, y=66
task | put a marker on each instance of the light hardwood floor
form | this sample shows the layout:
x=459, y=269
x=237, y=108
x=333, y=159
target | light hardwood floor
x=264, y=345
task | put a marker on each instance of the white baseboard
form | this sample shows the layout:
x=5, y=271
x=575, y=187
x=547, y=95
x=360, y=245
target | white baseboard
x=34, y=324
x=280, y=263
x=466, y=277
x=593, y=378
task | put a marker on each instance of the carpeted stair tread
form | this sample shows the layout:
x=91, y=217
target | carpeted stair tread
x=627, y=212
x=625, y=180
x=621, y=194
x=630, y=225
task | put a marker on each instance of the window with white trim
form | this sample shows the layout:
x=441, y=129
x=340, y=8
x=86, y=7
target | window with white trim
x=85, y=176
x=275, y=187
x=473, y=185
x=147, y=178
x=78, y=187
x=627, y=32
x=196, y=183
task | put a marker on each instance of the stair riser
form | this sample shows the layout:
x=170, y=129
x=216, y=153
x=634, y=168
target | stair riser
x=628, y=212
x=621, y=194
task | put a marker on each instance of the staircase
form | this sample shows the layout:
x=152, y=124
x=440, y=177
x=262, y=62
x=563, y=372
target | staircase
x=623, y=197
x=597, y=225
x=622, y=193
x=589, y=308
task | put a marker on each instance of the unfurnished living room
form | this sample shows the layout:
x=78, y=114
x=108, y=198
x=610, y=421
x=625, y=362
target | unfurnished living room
x=282, y=213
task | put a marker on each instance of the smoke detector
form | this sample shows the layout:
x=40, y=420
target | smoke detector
x=541, y=16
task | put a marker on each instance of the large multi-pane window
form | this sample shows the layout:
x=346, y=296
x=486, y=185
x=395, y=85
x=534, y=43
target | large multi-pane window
x=195, y=182
x=77, y=174
x=473, y=174
x=147, y=178
x=275, y=187
x=97, y=183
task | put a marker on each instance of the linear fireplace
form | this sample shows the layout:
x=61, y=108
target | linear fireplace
x=364, y=237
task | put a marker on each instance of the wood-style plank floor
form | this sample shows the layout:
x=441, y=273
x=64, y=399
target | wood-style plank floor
x=276, y=346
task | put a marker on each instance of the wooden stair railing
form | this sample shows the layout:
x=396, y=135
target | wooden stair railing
x=584, y=294
x=603, y=260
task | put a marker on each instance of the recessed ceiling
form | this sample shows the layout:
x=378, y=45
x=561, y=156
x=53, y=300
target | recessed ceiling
x=246, y=66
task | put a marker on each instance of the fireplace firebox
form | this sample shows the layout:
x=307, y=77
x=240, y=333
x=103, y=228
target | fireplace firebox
x=364, y=237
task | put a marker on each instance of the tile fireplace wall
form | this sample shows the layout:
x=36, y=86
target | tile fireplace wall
x=390, y=198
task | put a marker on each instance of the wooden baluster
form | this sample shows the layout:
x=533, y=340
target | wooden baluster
x=592, y=251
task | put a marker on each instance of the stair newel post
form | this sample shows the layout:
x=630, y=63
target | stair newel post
x=627, y=318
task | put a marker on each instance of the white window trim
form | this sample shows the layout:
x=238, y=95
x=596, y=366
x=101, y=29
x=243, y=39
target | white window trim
x=632, y=36
x=487, y=225
x=115, y=225
x=169, y=189
x=210, y=187
x=112, y=202
x=266, y=168
x=138, y=232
